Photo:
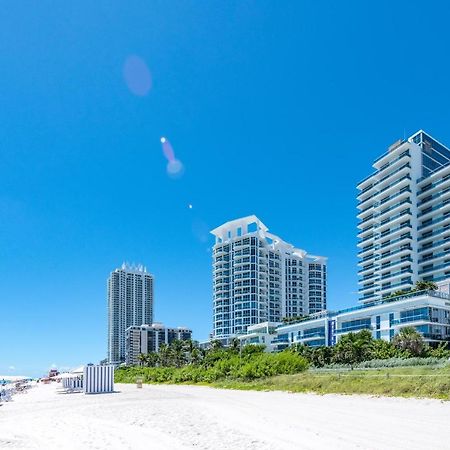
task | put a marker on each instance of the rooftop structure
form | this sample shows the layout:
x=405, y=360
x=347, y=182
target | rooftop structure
x=130, y=302
x=258, y=277
x=404, y=218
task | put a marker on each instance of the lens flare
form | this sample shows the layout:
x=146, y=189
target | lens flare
x=168, y=150
x=137, y=75
x=175, y=168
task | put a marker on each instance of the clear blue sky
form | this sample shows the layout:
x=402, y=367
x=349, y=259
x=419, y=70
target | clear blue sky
x=274, y=108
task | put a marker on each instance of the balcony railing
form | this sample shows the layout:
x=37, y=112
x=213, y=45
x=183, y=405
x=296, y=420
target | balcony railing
x=433, y=222
x=354, y=328
x=416, y=318
x=434, y=208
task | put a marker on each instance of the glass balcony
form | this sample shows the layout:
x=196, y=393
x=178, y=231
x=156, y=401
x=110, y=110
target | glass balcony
x=434, y=222
x=434, y=268
x=434, y=208
x=417, y=318
x=354, y=328
x=434, y=197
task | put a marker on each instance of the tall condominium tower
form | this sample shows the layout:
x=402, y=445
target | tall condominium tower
x=404, y=218
x=257, y=277
x=130, y=302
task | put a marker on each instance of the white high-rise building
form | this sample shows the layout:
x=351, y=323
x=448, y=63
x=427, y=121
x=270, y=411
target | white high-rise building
x=404, y=218
x=130, y=302
x=257, y=277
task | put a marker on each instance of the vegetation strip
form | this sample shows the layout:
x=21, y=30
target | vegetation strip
x=407, y=367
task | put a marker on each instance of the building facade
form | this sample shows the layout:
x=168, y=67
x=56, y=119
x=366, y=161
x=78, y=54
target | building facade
x=404, y=218
x=427, y=311
x=130, y=302
x=257, y=277
x=148, y=338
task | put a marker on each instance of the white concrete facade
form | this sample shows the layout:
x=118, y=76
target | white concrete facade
x=148, y=338
x=427, y=311
x=404, y=218
x=130, y=302
x=257, y=277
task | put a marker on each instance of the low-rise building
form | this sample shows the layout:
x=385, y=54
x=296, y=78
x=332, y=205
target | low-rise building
x=148, y=338
x=427, y=311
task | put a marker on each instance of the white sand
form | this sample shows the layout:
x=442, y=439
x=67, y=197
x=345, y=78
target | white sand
x=181, y=417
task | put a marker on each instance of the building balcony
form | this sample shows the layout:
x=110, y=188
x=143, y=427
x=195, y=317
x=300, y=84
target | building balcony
x=437, y=245
x=411, y=319
x=391, y=232
x=430, y=188
x=397, y=263
x=444, y=231
x=303, y=339
x=444, y=220
x=367, y=239
x=366, y=270
x=372, y=276
x=396, y=219
x=396, y=286
x=383, y=214
x=368, y=287
x=433, y=258
x=395, y=274
x=370, y=297
x=353, y=329
x=406, y=250
x=441, y=207
x=441, y=194
x=398, y=196
x=366, y=250
x=437, y=268
x=387, y=245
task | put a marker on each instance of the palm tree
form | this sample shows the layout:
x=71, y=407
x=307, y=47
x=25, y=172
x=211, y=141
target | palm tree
x=216, y=344
x=409, y=339
x=353, y=348
x=164, y=355
x=152, y=359
x=177, y=353
x=142, y=358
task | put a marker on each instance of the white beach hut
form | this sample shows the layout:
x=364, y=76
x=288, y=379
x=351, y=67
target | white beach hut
x=98, y=379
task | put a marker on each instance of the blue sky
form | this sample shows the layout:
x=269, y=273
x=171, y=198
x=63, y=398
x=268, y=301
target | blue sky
x=274, y=108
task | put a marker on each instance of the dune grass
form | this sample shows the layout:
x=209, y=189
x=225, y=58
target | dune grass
x=426, y=382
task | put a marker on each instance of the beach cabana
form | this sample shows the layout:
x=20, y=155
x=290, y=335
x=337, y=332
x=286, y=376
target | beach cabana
x=98, y=379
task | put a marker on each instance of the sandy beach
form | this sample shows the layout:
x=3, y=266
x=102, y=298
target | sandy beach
x=182, y=417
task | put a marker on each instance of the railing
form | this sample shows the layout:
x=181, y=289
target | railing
x=434, y=233
x=436, y=244
x=396, y=298
x=431, y=258
x=395, y=252
x=432, y=269
x=401, y=238
x=433, y=222
x=394, y=263
x=432, y=185
x=354, y=328
x=415, y=318
x=389, y=164
x=395, y=274
x=395, y=285
x=434, y=208
x=433, y=197
x=394, y=230
x=381, y=179
x=391, y=219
